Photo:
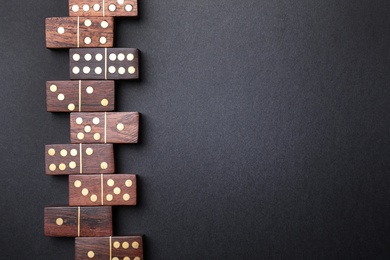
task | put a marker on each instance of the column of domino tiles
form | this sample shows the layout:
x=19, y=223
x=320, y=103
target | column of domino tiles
x=89, y=96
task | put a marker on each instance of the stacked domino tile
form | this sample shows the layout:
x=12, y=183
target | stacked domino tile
x=89, y=159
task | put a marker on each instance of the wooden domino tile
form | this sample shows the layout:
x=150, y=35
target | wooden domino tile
x=112, y=248
x=104, y=127
x=80, y=95
x=79, y=32
x=67, y=159
x=103, y=8
x=104, y=63
x=78, y=221
x=103, y=189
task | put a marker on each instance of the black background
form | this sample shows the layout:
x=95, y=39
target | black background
x=265, y=129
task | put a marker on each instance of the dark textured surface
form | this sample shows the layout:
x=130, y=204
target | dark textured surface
x=265, y=129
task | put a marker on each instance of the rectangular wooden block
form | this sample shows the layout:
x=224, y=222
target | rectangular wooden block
x=104, y=63
x=67, y=159
x=103, y=189
x=104, y=248
x=80, y=95
x=78, y=221
x=103, y=8
x=79, y=32
x=106, y=127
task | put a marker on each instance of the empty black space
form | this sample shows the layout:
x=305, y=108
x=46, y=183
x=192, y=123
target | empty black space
x=265, y=129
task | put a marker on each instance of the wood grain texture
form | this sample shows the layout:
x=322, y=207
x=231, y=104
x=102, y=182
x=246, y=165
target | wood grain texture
x=103, y=248
x=80, y=95
x=103, y=189
x=79, y=32
x=79, y=159
x=78, y=221
x=107, y=127
x=103, y=8
x=106, y=63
